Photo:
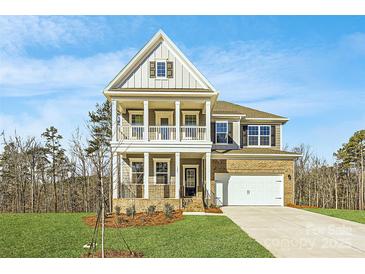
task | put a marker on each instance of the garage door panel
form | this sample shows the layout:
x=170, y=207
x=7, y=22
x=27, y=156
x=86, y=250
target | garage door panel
x=250, y=190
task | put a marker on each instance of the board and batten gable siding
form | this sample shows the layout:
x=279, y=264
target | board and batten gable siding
x=140, y=77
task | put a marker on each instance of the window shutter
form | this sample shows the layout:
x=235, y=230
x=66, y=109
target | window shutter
x=152, y=69
x=170, y=69
x=230, y=133
x=244, y=136
x=212, y=132
x=273, y=141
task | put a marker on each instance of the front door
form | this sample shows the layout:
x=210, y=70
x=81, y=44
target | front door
x=190, y=181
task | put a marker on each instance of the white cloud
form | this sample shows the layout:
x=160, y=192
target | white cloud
x=23, y=76
x=44, y=31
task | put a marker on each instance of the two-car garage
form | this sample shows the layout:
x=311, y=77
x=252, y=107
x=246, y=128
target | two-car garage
x=239, y=189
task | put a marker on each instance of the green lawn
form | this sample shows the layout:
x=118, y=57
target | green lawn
x=350, y=215
x=64, y=234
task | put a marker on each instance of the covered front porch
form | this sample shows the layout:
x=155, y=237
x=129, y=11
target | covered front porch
x=158, y=176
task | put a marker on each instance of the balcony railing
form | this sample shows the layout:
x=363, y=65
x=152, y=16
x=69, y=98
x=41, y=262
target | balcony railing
x=162, y=133
x=195, y=133
x=131, y=132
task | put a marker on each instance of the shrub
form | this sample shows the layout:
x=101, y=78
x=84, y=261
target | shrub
x=168, y=210
x=119, y=220
x=117, y=210
x=131, y=211
x=151, y=210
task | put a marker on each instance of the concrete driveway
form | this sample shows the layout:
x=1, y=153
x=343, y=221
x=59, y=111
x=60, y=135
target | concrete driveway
x=290, y=232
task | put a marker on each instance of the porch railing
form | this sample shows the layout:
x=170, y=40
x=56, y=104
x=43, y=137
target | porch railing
x=162, y=133
x=131, y=132
x=194, y=133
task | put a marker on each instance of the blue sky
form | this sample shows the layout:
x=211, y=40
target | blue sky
x=308, y=68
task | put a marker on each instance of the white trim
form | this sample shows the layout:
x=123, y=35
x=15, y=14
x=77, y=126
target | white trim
x=164, y=114
x=242, y=155
x=161, y=61
x=230, y=115
x=258, y=136
x=269, y=119
x=191, y=112
x=162, y=160
x=131, y=161
x=197, y=177
x=215, y=134
x=281, y=137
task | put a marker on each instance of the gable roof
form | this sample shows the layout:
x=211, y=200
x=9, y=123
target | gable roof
x=141, y=55
x=223, y=107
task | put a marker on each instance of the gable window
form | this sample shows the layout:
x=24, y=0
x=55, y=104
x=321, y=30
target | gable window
x=137, y=168
x=221, y=132
x=161, y=69
x=259, y=135
x=162, y=171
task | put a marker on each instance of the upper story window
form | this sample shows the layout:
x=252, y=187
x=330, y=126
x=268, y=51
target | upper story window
x=161, y=69
x=221, y=132
x=258, y=135
x=137, y=119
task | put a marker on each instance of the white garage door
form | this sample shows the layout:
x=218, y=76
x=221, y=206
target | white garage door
x=249, y=190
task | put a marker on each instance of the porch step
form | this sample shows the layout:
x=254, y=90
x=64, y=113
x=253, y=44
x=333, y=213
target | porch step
x=193, y=204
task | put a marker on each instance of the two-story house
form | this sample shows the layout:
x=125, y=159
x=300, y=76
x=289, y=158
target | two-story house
x=174, y=142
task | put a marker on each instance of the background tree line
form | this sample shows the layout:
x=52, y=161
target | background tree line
x=338, y=185
x=41, y=175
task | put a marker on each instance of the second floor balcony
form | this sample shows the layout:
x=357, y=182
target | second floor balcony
x=162, y=133
x=161, y=121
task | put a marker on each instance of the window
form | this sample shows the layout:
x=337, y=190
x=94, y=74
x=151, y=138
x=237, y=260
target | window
x=137, y=171
x=161, y=69
x=221, y=129
x=190, y=120
x=137, y=120
x=259, y=135
x=162, y=172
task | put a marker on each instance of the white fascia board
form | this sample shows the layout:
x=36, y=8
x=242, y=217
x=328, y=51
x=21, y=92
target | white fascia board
x=268, y=119
x=127, y=148
x=172, y=94
x=240, y=156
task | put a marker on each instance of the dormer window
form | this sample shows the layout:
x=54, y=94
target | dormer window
x=161, y=69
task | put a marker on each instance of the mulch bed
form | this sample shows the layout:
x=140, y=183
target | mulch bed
x=140, y=219
x=301, y=206
x=114, y=254
x=213, y=210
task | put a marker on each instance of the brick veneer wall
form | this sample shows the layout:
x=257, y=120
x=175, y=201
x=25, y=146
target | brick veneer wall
x=258, y=167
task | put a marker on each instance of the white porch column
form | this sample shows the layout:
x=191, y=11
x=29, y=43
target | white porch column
x=207, y=173
x=114, y=120
x=177, y=175
x=177, y=120
x=145, y=120
x=207, y=119
x=115, y=175
x=145, y=174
